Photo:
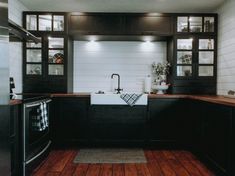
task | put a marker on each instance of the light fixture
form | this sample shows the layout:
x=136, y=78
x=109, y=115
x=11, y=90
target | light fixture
x=147, y=38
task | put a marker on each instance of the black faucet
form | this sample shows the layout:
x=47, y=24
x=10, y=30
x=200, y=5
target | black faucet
x=118, y=89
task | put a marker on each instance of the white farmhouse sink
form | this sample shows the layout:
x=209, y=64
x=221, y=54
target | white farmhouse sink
x=110, y=98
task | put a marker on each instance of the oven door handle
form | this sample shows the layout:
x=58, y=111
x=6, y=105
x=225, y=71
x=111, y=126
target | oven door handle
x=39, y=154
x=37, y=104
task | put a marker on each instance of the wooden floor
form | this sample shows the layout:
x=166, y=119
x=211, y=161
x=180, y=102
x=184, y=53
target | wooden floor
x=159, y=163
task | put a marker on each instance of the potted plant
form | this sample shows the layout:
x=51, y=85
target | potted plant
x=161, y=70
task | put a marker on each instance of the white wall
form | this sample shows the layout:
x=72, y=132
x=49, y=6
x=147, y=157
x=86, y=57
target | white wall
x=226, y=48
x=15, y=49
x=95, y=62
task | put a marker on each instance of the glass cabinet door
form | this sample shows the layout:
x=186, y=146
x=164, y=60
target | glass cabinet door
x=206, y=58
x=31, y=22
x=184, y=57
x=58, y=22
x=45, y=22
x=195, y=24
x=182, y=24
x=56, y=56
x=33, y=58
x=209, y=24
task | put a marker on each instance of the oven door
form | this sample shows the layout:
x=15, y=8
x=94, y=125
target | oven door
x=35, y=141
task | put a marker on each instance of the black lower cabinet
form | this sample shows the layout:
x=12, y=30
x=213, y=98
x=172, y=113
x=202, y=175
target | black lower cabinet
x=115, y=124
x=5, y=153
x=208, y=129
x=216, y=136
x=15, y=111
x=170, y=122
x=69, y=122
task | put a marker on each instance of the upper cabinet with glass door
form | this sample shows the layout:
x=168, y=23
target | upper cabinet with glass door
x=45, y=22
x=33, y=59
x=206, y=58
x=184, y=57
x=56, y=56
x=195, y=24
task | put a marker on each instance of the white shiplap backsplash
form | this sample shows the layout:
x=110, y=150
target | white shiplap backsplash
x=15, y=48
x=94, y=63
x=226, y=48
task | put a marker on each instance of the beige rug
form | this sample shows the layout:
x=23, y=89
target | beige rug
x=110, y=156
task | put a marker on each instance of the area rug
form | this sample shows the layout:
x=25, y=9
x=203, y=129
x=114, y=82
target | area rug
x=110, y=156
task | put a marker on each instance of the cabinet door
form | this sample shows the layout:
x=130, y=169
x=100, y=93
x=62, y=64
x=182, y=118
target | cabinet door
x=70, y=121
x=117, y=123
x=56, y=56
x=195, y=24
x=96, y=24
x=170, y=120
x=149, y=25
x=206, y=58
x=14, y=139
x=217, y=140
x=82, y=24
x=184, y=57
x=33, y=59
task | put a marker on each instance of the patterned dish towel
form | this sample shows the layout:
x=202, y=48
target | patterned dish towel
x=40, y=120
x=130, y=99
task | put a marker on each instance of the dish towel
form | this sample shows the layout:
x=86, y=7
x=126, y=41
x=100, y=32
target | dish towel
x=40, y=120
x=130, y=99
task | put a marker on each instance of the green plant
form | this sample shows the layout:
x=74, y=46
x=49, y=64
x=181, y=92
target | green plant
x=161, y=68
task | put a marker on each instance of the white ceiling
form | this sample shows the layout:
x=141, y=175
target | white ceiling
x=167, y=6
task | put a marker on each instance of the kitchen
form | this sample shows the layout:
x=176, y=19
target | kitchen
x=87, y=96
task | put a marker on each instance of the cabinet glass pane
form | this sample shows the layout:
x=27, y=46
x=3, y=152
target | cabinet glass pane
x=184, y=44
x=184, y=71
x=206, y=57
x=206, y=44
x=33, y=45
x=56, y=42
x=184, y=57
x=34, y=55
x=58, y=23
x=206, y=71
x=195, y=24
x=33, y=69
x=56, y=56
x=182, y=24
x=45, y=22
x=56, y=69
x=209, y=24
x=31, y=22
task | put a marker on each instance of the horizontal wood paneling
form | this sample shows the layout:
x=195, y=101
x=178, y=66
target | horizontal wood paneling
x=95, y=62
x=226, y=48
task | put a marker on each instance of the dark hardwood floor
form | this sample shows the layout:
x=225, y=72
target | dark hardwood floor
x=159, y=163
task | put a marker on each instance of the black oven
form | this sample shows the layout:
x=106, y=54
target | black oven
x=36, y=138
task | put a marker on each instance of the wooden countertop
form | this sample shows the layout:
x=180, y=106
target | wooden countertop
x=15, y=102
x=83, y=94
x=207, y=98
x=219, y=99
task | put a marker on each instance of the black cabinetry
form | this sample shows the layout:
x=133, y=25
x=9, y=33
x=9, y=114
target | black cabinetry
x=69, y=122
x=46, y=64
x=117, y=123
x=216, y=137
x=15, y=112
x=99, y=24
x=149, y=25
x=170, y=121
x=194, y=54
x=120, y=24
x=5, y=152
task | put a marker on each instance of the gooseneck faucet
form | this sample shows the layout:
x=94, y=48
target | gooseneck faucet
x=118, y=89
